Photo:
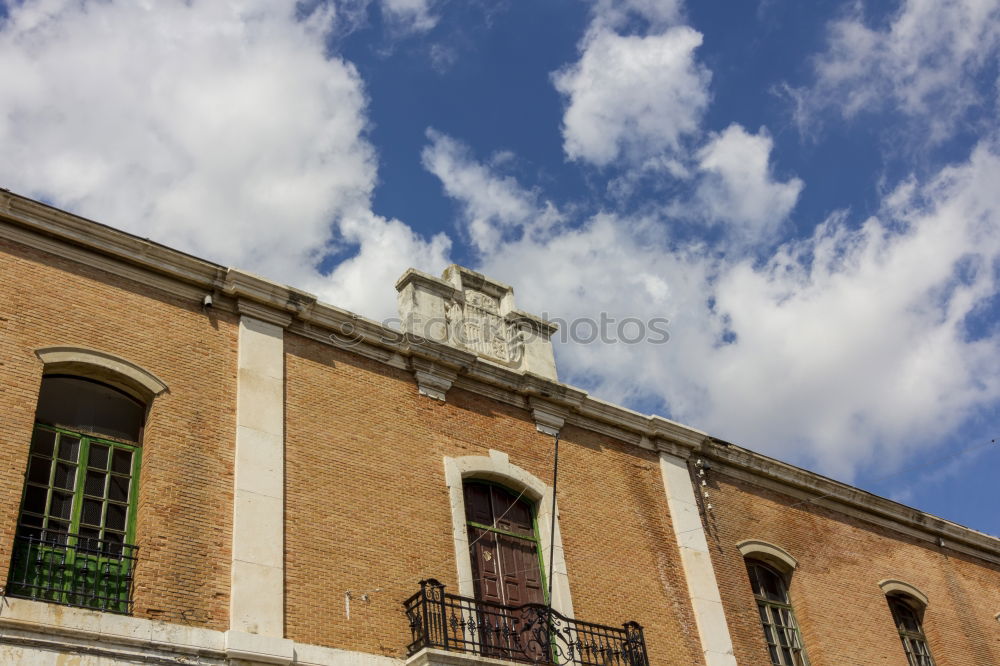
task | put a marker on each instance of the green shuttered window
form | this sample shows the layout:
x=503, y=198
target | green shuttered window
x=76, y=527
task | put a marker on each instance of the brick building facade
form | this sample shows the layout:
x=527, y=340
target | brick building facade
x=300, y=471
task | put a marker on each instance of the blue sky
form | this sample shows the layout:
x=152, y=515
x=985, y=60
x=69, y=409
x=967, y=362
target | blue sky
x=807, y=191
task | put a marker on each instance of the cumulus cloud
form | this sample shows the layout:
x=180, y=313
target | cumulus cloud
x=737, y=187
x=494, y=207
x=924, y=62
x=632, y=97
x=364, y=282
x=855, y=341
x=222, y=129
x=835, y=350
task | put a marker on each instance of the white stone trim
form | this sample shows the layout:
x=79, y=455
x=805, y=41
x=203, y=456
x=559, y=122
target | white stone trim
x=259, y=649
x=43, y=633
x=497, y=467
x=258, y=568
x=702, y=586
x=35, y=625
x=891, y=585
x=434, y=657
x=104, y=367
x=768, y=552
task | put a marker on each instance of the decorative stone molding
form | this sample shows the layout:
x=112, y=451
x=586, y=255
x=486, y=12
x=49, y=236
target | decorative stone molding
x=433, y=379
x=768, y=552
x=893, y=586
x=469, y=311
x=497, y=467
x=549, y=418
x=262, y=313
x=104, y=367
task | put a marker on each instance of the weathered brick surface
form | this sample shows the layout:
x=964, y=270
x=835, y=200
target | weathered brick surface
x=843, y=613
x=368, y=509
x=185, y=490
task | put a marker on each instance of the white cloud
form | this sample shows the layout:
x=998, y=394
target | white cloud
x=632, y=97
x=493, y=206
x=658, y=14
x=854, y=341
x=838, y=349
x=738, y=188
x=364, y=282
x=222, y=129
x=923, y=63
x=411, y=15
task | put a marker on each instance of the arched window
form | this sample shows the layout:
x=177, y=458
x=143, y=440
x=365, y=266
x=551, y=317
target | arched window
x=907, y=613
x=77, y=521
x=781, y=632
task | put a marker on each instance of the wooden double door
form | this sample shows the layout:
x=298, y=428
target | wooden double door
x=506, y=568
x=504, y=546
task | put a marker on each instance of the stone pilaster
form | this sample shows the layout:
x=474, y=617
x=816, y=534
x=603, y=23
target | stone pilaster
x=256, y=616
x=703, y=589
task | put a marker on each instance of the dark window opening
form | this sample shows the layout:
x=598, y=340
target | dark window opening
x=86, y=406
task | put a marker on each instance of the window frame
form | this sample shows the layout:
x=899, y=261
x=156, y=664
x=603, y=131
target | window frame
x=534, y=538
x=83, y=555
x=769, y=614
x=497, y=467
x=79, y=494
x=915, y=645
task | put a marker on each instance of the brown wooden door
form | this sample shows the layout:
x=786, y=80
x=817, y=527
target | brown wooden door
x=505, y=566
x=504, y=548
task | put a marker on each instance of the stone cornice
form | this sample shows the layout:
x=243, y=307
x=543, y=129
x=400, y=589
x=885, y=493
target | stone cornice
x=90, y=243
x=535, y=324
x=817, y=490
x=430, y=283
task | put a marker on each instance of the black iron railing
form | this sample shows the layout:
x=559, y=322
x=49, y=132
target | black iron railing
x=73, y=570
x=533, y=633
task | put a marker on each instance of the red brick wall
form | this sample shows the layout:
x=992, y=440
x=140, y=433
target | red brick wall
x=841, y=610
x=185, y=490
x=368, y=508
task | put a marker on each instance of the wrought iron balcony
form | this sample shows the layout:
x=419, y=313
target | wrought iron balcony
x=532, y=634
x=72, y=570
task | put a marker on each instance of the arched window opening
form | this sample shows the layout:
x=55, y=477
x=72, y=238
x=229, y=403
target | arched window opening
x=76, y=527
x=781, y=632
x=907, y=613
x=88, y=406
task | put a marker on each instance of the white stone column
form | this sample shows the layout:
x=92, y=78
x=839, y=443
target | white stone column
x=703, y=589
x=256, y=611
